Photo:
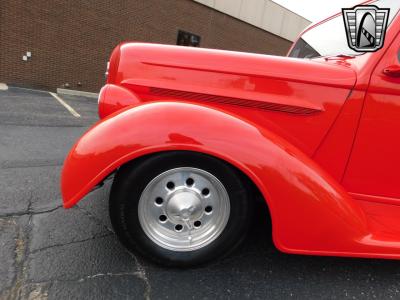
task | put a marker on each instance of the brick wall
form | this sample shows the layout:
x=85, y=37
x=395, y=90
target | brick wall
x=71, y=40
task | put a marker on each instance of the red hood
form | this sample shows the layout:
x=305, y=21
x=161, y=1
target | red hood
x=161, y=66
x=254, y=86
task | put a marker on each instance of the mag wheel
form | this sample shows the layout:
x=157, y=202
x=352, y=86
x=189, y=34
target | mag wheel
x=184, y=209
x=179, y=208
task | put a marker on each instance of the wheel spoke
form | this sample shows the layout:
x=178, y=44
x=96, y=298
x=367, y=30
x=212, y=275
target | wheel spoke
x=189, y=233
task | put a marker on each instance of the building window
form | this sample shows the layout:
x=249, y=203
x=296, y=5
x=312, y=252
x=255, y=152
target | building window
x=188, y=39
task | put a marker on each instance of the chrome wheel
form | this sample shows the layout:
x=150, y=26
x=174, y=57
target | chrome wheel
x=184, y=209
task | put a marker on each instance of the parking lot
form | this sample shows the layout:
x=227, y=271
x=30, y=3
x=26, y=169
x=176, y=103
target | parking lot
x=49, y=252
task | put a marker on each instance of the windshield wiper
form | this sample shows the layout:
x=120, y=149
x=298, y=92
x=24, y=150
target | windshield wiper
x=339, y=56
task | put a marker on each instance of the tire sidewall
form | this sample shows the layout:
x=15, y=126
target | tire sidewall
x=132, y=179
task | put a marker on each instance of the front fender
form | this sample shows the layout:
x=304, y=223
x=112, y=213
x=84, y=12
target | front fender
x=309, y=210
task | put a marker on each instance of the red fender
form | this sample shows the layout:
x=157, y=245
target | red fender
x=311, y=213
x=121, y=98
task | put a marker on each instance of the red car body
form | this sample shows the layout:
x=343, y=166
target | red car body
x=319, y=138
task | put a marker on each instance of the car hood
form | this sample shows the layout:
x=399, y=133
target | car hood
x=224, y=73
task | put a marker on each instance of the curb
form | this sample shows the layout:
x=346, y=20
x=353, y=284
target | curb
x=77, y=93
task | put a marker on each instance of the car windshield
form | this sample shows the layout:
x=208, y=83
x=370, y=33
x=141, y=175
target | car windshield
x=329, y=38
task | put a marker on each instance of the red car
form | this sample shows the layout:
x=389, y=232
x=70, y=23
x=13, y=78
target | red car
x=193, y=136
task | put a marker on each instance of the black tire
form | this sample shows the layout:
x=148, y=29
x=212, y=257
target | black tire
x=131, y=180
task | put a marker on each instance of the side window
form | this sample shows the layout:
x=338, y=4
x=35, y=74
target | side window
x=303, y=50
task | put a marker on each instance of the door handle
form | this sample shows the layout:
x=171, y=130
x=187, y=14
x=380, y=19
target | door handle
x=392, y=71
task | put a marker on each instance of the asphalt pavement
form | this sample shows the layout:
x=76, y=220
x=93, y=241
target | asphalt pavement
x=47, y=252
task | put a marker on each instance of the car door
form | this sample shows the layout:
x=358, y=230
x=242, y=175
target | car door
x=374, y=165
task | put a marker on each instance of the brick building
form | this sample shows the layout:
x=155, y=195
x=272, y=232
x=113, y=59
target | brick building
x=49, y=44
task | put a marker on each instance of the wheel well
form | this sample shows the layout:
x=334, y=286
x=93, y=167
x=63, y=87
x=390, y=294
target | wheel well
x=261, y=207
x=262, y=215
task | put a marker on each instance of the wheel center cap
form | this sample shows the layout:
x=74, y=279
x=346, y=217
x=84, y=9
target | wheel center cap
x=184, y=206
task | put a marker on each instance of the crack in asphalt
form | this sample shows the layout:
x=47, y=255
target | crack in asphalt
x=38, y=291
x=21, y=251
x=94, y=218
x=16, y=291
x=136, y=274
x=70, y=243
x=141, y=273
x=29, y=212
x=89, y=277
